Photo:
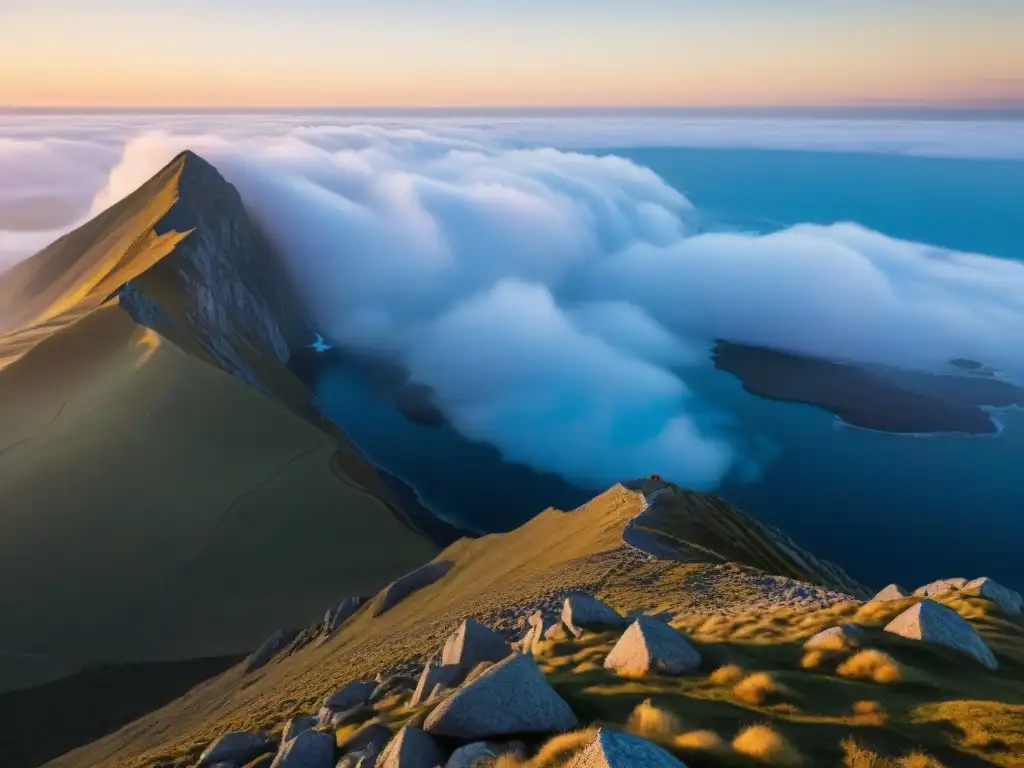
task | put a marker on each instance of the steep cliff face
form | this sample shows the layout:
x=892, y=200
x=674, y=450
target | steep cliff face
x=220, y=291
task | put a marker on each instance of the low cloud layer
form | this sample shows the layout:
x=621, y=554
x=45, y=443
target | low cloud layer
x=558, y=303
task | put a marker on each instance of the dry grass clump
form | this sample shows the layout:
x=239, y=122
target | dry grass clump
x=767, y=745
x=759, y=688
x=869, y=713
x=815, y=659
x=857, y=756
x=871, y=665
x=701, y=741
x=730, y=674
x=586, y=666
x=650, y=722
x=560, y=748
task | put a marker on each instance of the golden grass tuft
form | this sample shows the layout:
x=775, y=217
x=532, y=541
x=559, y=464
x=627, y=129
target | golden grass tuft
x=870, y=713
x=814, y=659
x=917, y=759
x=730, y=674
x=873, y=665
x=701, y=741
x=586, y=666
x=651, y=722
x=767, y=745
x=759, y=688
x=559, y=748
x=857, y=756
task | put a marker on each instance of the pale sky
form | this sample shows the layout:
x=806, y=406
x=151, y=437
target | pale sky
x=315, y=53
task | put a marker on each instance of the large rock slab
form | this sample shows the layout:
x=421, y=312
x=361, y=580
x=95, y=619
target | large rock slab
x=933, y=622
x=612, y=749
x=1009, y=601
x=891, y=592
x=411, y=748
x=651, y=646
x=350, y=697
x=581, y=610
x=237, y=747
x=310, y=749
x=432, y=676
x=941, y=587
x=272, y=646
x=471, y=644
x=400, y=589
x=511, y=697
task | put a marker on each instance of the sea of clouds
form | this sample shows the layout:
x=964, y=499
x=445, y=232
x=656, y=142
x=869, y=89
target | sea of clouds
x=556, y=302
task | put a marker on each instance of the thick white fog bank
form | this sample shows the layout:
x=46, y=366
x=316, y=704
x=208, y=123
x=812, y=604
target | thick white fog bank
x=556, y=302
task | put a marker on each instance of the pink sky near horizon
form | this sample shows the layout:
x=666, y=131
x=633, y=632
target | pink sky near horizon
x=563, y=53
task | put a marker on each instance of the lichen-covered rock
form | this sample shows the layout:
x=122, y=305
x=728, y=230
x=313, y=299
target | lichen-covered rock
x=432, y=676
x=297, y=725
x=411, y=748
x=940, y=587
x=1009, y=601
x=473, y=755
x=933, y=622
x=401, y=588
x=237, y=747
x=272, y=646
x=843, y=637
x=471, y=644
x=652, y=646
x=512, y=697
x=582, y=610
x=309, y=749
x=612, y=749
x=891, y=592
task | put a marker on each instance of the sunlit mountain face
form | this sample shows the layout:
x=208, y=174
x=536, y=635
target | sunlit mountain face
x=819, y=319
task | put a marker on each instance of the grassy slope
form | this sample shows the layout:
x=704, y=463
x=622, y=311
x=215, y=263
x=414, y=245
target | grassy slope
x=157, y=508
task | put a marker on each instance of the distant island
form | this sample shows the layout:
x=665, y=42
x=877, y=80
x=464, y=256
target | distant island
x=874, y=397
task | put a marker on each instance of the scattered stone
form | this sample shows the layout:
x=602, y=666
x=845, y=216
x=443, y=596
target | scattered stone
x=432, y=676
x=410, y=748
x=844, y=636
x=354, y=694
x=371, y=737
x=309, y=749
x=471, y=644
x=472, y=755
x=297, y=725
x=892, y=592
x=512, y=697
x=933, y=622
x=582, y=610
x=941, y=586
x=272, y=646
x=391, y=685
x=398, y=590
x=650, y=646
x=612, y=749
x=338, y=615
x=238, y=747
x=1009, y=601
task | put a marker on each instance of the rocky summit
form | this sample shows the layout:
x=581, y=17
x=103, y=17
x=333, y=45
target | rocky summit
x=564, y=643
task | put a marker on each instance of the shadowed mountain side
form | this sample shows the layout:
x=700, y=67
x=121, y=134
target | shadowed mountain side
x=146, y=494
x=493, y=578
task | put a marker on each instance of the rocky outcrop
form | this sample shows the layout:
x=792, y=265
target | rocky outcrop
x=512, y=697
x=297, y=725
x=652, y=646
x=891, y=592
x=843, y=637
x=612, y=749
x=941, y=587
x=238, y=747
x=933, y=622
x=411, y=748
x=432, y=676
x=1009, y=601
x=338, y=615
x=272, y=646
x=581, y=610
x=310, y=749
x=471, y=644
x=401, y=588
x=351, y=696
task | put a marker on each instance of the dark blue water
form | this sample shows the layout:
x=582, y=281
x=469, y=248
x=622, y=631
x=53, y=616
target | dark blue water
x=886, y=507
